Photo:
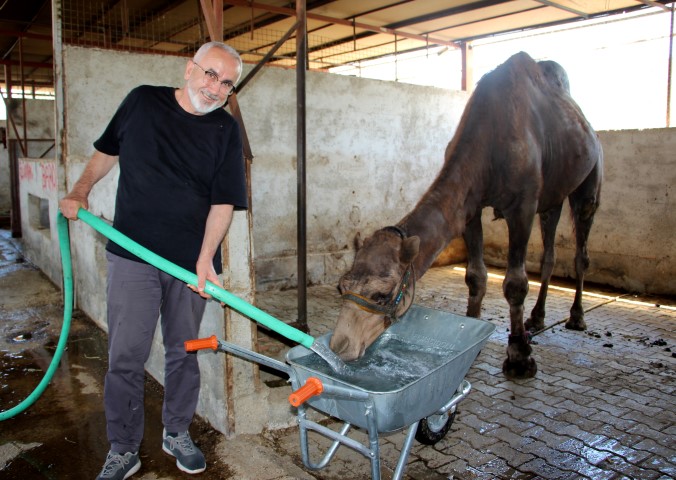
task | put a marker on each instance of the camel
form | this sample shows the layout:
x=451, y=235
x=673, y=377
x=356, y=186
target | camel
x=522, y=147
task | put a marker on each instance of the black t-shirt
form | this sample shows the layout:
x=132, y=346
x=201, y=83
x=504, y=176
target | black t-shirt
x=173, y=167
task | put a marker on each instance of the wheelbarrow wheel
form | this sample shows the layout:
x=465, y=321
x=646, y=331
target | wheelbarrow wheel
x=433, y=428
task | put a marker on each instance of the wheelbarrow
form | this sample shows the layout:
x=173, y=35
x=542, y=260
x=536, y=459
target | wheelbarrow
x=411, y=378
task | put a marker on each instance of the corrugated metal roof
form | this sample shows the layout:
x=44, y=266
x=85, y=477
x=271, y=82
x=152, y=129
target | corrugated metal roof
x=339, y=31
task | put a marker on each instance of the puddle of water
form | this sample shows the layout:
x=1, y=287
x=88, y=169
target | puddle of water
x=66, y=425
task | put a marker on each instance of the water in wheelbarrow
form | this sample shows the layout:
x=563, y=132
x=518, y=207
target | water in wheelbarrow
x=389, y=364
x=412, y=370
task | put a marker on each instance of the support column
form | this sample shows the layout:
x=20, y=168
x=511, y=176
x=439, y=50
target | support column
x=229, y=384
x=301, y=252
x=467, y=82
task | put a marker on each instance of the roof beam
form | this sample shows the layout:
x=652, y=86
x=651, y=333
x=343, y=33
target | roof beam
x=563, y=7
x=17, y=33
x=654, y=4
x=26, y=64
x=8, y=52
x=448, y=12
x=340, y=21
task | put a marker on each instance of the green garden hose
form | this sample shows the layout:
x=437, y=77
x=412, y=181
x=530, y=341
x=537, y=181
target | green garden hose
x=172, y=269
x=214, y=290
x=64, y=242
x=190, y=278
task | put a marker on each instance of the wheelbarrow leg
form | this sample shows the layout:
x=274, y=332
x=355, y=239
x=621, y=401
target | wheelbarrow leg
x=304, y=425
x=372, y=452
x=374, y=441
x=405, y=450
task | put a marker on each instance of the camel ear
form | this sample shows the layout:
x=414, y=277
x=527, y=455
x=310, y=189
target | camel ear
x=409, y=249
x=358, y=242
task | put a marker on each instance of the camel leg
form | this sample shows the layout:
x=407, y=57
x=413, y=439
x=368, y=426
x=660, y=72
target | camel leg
x=583, y=203
x=476, y=274
x=548, y=222
x=519, y=363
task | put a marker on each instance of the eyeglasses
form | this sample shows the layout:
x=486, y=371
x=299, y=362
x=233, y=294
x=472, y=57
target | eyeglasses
x=210, y=78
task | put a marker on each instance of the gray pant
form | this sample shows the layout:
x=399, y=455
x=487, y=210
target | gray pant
x=137, y=295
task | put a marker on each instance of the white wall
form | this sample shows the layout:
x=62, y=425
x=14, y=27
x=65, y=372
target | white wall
x=632, y=244
x=39, y=127
x=38, y=195
x=373, y=147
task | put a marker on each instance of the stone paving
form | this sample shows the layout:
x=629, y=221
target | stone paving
x=600, y=407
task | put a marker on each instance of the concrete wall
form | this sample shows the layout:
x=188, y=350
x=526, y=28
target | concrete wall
x=373, y=149
x=39, y=127
x=632, y=244
x=39, y=196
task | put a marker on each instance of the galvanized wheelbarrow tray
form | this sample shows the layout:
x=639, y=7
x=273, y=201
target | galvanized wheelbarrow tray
x=411, y=378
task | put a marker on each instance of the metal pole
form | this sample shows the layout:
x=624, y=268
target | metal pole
x=59, y=95
x=301, y=56
x=15, y=212
x=268, y=56
x=671, y=52
x=23, y=98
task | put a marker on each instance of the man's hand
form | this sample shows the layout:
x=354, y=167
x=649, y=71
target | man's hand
x=97, y=168
x=218, y=222
x=205, y=271
x=71, y=204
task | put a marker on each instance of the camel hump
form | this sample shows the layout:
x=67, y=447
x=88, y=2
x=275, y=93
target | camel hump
x=521, y=61
x=518, y=66
x=555, y=75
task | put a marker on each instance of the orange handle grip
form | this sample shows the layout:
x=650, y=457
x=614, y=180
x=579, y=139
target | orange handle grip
x=313, y=386
x=201, y=344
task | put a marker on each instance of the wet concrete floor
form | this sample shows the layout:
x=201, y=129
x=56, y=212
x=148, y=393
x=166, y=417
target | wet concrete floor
x=63, y=434
x=601, y=407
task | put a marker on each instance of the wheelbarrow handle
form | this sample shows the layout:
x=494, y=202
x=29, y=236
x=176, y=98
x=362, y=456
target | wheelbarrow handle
x=313, y=386
x=201, y=344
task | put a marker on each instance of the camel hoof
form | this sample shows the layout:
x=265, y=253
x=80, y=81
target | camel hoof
x=519, y=370
x=576, y=324
x=534, y=324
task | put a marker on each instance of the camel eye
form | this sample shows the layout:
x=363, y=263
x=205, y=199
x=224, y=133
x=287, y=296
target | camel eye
x=380, y=299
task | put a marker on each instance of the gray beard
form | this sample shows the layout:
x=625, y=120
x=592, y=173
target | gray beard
x=196, y=101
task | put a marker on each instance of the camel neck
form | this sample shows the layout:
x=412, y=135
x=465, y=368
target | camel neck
x=441, y=214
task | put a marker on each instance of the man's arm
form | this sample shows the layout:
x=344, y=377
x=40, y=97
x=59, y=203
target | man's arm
x=218, y=223
x=97, y=168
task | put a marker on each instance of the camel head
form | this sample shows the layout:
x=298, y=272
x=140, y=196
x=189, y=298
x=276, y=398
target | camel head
x=377, y=290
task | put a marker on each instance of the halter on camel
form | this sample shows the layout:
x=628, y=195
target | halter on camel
x=389, y=309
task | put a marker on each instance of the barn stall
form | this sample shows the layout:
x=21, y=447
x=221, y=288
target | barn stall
x=347, y=147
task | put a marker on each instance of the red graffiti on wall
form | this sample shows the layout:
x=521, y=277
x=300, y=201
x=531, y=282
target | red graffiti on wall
x=48, y=176
x=25, y=171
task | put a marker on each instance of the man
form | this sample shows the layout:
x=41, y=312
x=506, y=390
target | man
x=181, y=177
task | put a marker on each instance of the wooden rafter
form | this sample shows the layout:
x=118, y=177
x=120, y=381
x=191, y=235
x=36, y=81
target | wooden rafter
x=213, y=15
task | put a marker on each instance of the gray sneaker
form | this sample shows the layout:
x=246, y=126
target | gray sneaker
x=119, y=467
x=189, y=458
